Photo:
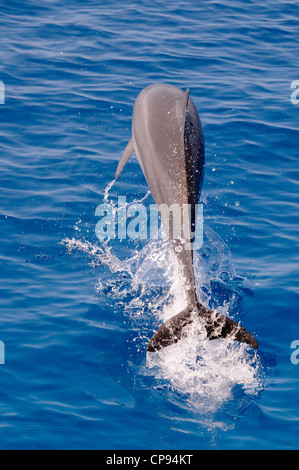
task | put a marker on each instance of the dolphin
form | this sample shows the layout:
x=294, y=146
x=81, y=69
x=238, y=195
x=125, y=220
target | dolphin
x=168, y=141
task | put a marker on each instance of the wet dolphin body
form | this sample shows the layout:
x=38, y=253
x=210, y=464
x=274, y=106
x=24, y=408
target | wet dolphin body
x=168, y=141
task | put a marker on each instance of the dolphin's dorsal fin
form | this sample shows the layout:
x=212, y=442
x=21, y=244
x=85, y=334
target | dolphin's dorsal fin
x=184, y=102
x=125, y=157
x=182, y=105
x=186, y=96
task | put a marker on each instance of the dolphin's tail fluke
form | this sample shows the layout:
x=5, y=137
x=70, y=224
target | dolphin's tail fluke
x=215, y=324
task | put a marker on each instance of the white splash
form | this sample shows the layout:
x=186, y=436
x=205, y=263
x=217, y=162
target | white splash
x=204, y=372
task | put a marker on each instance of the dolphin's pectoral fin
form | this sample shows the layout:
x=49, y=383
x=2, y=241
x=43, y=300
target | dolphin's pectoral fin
x=215, y=324
x=125, y=157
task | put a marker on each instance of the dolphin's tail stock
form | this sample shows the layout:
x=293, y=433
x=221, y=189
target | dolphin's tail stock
x=215, y=324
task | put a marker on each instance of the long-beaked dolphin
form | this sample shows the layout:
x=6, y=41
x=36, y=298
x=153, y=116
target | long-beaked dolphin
x=168, y=141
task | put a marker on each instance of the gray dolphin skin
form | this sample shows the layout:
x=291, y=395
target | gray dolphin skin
x=168, y=141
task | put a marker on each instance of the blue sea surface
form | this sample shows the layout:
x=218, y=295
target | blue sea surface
x=77, y=313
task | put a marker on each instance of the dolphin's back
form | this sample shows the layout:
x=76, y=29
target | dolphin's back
x=163, y=146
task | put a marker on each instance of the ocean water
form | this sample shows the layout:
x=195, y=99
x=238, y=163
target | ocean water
x=76, y=313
